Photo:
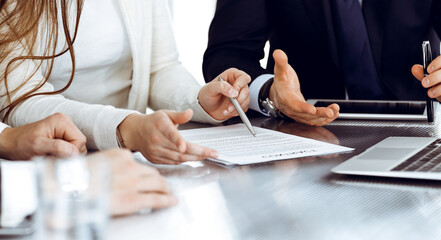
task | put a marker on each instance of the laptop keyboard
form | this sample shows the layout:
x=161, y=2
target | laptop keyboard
x=426, y=160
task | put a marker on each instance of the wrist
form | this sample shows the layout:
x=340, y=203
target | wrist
x=207, y=103
x=6, y=143
x=272, y=94
x=266, y=100
x=125, y=133
x=264, y=92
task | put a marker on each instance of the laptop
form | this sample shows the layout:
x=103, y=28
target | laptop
x=400, y=157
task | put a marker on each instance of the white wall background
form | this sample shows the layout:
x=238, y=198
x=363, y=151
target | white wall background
x=192, y=20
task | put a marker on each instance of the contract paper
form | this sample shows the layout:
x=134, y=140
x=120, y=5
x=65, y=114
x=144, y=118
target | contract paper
x=236, y=145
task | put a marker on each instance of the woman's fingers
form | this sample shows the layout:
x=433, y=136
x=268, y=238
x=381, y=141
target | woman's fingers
x=165, y=155
x=144, y=170
x=243, y=95
x=155, y=201
x=233, y=75
x=179, y=117
x=194, y=149
x=230, y=110
x=242, y=81
x=169, y=130
x=216, y=88
x=65, y=129
x=171, y=155
x=244, y=104
x=172, y=134
x=152, y=184
x=234, y=79
x=131, y=203
x=55, y=147
x=227, y=90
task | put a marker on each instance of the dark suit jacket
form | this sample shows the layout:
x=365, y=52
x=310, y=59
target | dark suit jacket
x=304, y=30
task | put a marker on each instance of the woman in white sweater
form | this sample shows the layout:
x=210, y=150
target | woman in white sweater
x=103, y=62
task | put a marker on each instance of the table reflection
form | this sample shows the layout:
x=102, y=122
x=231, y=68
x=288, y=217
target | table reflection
x=299, y=129
x=297, y=198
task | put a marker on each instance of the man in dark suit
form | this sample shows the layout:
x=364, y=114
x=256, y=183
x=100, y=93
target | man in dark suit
x=340, y=49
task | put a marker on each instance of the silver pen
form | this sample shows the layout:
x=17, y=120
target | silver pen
x=242, y=114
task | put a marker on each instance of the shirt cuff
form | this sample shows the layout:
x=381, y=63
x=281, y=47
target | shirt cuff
x=199, y=114
x=3, y=127
x=105, y=129
x=255, y=87
x=19, y=192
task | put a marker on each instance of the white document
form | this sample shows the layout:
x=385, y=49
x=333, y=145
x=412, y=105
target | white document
x=236, y=145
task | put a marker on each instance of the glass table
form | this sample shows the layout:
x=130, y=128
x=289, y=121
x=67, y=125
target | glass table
x=297, y=198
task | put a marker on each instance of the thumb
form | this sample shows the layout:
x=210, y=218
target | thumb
x=418, y=71
x=281, y=61
x=283, y=72
x=180, y=117
x=58, y=148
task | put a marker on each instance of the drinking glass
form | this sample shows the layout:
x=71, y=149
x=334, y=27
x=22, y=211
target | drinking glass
x=73, y=197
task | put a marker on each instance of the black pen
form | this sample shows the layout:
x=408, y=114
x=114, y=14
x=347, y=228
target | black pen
x=427, y=59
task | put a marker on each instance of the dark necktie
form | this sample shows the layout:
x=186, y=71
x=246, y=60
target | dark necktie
x=354, y=51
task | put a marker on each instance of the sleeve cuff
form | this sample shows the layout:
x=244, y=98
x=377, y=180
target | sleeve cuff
x=255, y=87
x=19, y=192
x=204, y=116
x=105, y=135
x=3, y=127
x=199, y=114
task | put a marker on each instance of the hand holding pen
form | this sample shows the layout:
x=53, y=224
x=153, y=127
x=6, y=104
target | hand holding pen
x=430, y=76
x=242, y=114
x=214, y=96
x=431, y=80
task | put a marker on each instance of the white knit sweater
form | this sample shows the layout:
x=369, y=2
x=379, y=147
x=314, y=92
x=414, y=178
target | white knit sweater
x=158, y=80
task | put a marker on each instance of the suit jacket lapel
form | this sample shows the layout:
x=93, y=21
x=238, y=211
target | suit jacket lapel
x=376, y=14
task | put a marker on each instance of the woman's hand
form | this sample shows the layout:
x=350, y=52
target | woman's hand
x=135, y=187
x=213, y=97
x=56, y=135
x=157, y=137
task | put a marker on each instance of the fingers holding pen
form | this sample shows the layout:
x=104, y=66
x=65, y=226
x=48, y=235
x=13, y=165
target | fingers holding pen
x=237, y=78
x=244, y=101
x=434, y=66
x=432, y=81
x=244, y=95
x=214, y=96
x=418, y=71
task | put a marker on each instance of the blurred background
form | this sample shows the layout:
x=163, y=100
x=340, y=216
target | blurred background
x=192, y=20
